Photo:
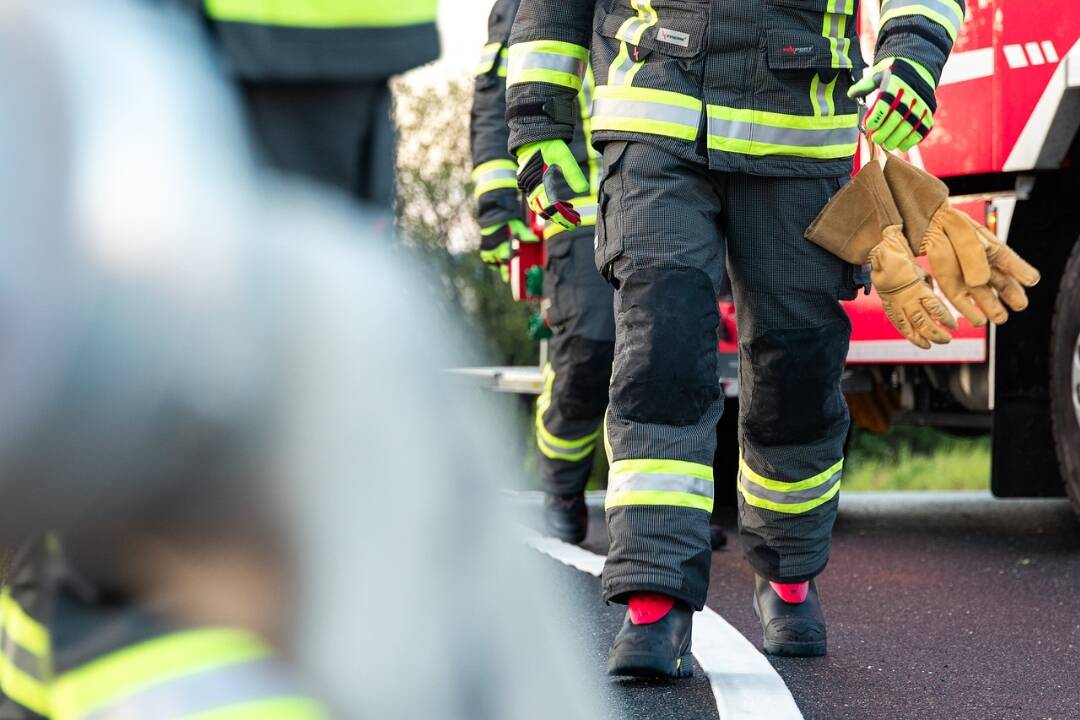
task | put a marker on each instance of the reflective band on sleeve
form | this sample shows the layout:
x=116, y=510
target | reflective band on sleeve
x=549, y=61
x=324, y=13
x=494, y=175
x=790, y=498
x=634, y=27
x=504, y=63
x=657, y=112
x=945, y=13
x=83, y=691
x=756, y=132
x=660, y=482
x=488, y=57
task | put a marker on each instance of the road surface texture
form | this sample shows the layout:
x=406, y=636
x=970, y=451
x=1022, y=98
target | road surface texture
x=940, y=605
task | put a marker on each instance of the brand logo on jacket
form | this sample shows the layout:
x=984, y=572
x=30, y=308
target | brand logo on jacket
x=673, y=37
x=797, y=49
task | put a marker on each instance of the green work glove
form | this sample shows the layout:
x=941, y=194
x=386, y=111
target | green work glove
x=900, y=100
x=496, y=244
x=549, y=176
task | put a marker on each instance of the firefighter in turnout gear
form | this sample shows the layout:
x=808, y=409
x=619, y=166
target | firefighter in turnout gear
x=314, y=79
x=725, y=128
x=570, y=410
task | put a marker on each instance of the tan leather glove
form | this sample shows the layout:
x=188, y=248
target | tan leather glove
x=906, y=293
x=850, y=225
x=959, y=248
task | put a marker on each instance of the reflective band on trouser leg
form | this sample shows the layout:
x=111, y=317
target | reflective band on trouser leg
x=211, y=674
x=645, y=110
x=789, y=497
x=488, y=56
x=834, y=27
x=660, y=482
x=551, y=446
x=945, y=13
x=494, y=175
x=25, y=662
x=549, y=61
x=756, y=132
x=326, y=13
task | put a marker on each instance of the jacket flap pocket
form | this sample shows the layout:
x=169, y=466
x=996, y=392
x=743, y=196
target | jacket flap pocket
x=678, y=33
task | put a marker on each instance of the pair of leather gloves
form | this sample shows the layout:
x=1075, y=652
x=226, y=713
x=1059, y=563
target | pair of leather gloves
x=889, y=216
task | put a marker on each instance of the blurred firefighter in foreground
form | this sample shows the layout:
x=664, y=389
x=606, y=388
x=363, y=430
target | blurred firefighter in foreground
x=578, y=301
x=725, y=129
x=314, y=81
x=200, y=417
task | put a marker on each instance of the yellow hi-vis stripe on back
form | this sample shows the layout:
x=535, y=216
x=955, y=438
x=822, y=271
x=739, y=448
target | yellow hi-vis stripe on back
x=324, y=13
x=791, y=498
x=660, y=482
x=81, y=691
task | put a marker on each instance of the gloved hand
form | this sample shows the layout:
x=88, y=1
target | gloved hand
x=906, y=294
x=496, y=244
x=549, y=176
x=972, y=267
x=901, y=113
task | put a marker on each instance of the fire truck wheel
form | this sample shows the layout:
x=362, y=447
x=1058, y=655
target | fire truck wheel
x=1065, y=377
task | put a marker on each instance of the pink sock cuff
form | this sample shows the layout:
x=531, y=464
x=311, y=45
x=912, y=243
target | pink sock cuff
x=793, y=593
x=648, y=608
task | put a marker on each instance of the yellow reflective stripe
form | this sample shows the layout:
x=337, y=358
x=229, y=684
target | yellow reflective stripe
x=543, y=402
x=663, y=497
x=488, y=56
x=568, y=456
x=324, y=13
x=607, y=443
x=786, y=487
x=923, y=72
x=563, y=443
x=550, y=61
x=22, y=688
x=945, y=13
x=504, y=62
x=100, y=682
x=550, y=445
x=830, y=92
x=788, y=508
x=634, y=27
x=661, y=467
x=494, y=175
x=757, y=132
x=286, y=708
x=585, y=100
x=821, y=95
x=20, y=627
x=647, y=110
x=586, y=206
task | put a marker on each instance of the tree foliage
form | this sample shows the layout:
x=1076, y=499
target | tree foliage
x=436, y=213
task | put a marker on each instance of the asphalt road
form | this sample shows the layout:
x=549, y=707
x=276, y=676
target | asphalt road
x=939, y=606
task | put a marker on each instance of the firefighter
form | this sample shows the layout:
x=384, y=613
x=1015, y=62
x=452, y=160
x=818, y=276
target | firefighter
x=578, y=305
x=314, y=80
x=725, y=128
x=578, y=302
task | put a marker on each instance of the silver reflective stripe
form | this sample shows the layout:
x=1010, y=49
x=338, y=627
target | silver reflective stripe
x=493, y=175
x=821, y=97
x=621, y=483
x=788, y=498
x=644, y=110
x=618, y=73
x=631, y=28
x=587, y=212
x=792, y=137
x=203, y=691
x=488, y=58
x=838, y=44
x=943, y=9
x=546, y=61
x=23, y=659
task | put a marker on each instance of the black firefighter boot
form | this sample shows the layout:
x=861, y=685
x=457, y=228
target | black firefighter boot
x=566, y=517
x=792, y=629
x=656, y=646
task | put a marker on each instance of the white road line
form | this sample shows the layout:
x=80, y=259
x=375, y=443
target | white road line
x=744, y=684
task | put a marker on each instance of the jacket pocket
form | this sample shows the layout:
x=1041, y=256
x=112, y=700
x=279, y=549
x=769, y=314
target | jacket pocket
x=675, y=28
x=608, y=244
x=811, y=34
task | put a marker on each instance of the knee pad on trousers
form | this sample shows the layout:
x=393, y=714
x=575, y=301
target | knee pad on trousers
x=794, y=383
x=582, y=376
x=667, y=321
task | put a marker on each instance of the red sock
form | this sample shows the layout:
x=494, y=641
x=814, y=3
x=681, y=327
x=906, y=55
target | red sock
x=793, y=593
x=646, y=608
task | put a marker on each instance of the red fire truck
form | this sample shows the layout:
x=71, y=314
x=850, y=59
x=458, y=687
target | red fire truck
x=1006, y=142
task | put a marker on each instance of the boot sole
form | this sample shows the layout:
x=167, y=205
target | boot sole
x=649, y=665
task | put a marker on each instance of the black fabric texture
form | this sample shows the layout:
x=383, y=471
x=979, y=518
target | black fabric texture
x=796, y=395
x=669, y=317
